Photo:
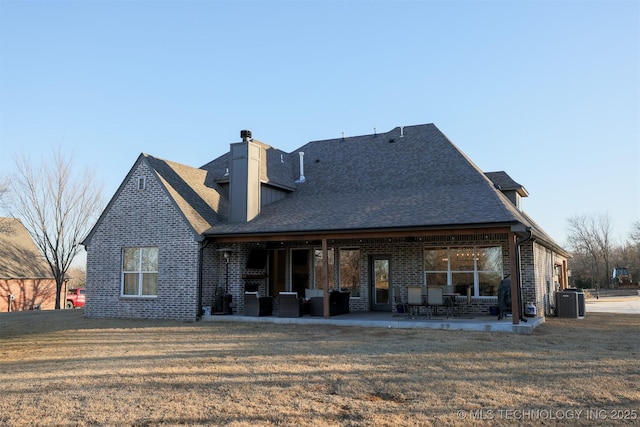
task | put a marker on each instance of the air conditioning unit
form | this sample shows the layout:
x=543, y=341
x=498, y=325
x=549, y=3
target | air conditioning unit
x=582, y=308
x=567, y=305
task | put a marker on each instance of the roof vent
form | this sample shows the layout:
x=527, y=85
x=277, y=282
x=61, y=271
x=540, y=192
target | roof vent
x=245, y=135
x=302, y=178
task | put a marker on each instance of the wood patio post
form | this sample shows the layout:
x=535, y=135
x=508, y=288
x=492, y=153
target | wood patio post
x=515, y=278
x=325, y=285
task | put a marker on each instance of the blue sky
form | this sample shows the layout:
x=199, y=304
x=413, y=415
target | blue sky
x=548, y=91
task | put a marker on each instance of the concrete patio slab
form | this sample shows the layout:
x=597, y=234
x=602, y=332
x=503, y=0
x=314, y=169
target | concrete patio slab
x=390, y=320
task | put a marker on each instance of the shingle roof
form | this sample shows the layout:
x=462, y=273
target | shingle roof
x=405, y=178
x=275, y=169
x=19, y=255
x=505, y=183
x=419, y=179
x=198, y=198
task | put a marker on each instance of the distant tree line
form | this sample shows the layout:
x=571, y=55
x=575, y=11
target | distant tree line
x=595, y=254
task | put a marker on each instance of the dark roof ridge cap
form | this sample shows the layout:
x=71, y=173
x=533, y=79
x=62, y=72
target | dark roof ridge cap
x=160, y=159
x=393, y=131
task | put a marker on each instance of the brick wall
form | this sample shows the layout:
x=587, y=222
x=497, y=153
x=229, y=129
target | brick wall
x=546, y=280
x=29, y=294
x=406, y=268
x=149, y=218
x=137, y=218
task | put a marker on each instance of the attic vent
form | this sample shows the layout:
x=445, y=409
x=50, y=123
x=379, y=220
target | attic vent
x=142, y=183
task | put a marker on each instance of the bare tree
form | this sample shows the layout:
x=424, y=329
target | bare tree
x=76, y=277
x=591, y=235
x=4, y=187
x=630, y=252
x=634, y=236
x=56, y=207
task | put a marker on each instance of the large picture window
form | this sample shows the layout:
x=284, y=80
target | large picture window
x=140, y=271
x=460, y=268
x=350, y=271
x=319, y=270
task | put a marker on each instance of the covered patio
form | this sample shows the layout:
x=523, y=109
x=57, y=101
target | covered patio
x=377, y=269
x=389, y=320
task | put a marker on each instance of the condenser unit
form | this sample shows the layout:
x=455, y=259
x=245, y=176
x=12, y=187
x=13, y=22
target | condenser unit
x=567, y=305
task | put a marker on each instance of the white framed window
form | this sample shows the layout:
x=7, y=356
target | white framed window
x=140, y=271
x=142, y=182
x=457, y=268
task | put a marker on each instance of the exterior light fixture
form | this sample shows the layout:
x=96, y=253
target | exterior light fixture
x=226, y=298
x=226, y=253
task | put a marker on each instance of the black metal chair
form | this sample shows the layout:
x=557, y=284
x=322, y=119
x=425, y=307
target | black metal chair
x=504, y=297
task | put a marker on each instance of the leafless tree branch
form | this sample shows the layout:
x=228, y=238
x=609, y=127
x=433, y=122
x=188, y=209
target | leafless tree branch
x=4, y=188
x=56, y=206
x=591, y=235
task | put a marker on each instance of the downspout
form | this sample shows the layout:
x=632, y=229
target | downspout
x=203, y=245
x=518, y=272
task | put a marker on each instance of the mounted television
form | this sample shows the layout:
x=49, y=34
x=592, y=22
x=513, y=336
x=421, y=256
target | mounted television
x=257, y=259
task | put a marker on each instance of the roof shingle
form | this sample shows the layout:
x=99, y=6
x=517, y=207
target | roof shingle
x=19, y=255
x=419, y=179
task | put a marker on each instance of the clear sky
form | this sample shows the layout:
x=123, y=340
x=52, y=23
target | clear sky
x=547, y=91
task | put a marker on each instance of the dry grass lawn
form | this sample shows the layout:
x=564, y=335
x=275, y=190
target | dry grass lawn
x=60, y=368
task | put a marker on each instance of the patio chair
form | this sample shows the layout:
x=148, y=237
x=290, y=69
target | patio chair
x=290, y=305
x=414, y=299
x=338, y=304
x=504, y=298
x=312, y=293
x=254, y=305
x=397, y=298
x=434, y=299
